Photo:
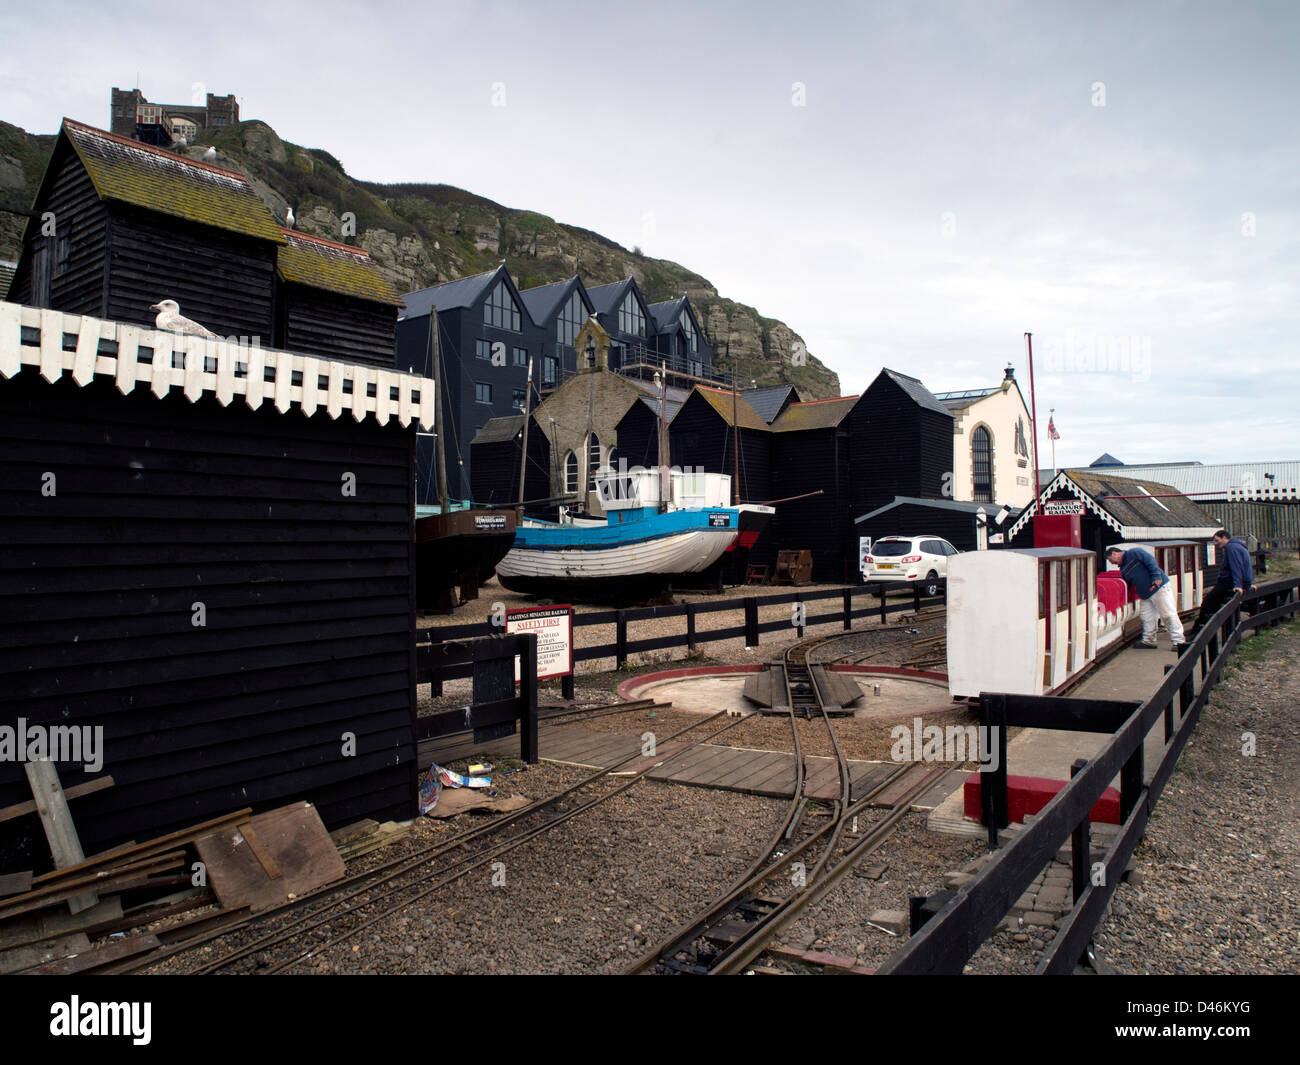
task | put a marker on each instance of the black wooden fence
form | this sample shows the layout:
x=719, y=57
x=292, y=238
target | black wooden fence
x=956, y=932
x=692, y=636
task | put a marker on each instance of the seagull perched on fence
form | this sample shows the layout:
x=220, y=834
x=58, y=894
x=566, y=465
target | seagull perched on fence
x=169, y=320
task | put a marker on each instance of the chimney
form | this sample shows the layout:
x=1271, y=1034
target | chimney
x=1009, y=379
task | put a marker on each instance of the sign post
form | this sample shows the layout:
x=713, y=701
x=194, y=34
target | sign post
x=553, y=627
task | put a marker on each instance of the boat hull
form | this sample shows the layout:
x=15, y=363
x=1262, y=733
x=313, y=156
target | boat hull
x=457, y=551
x=630, y=561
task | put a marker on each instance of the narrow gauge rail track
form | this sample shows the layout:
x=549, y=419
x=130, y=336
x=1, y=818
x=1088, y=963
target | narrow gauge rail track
x=736, y=926
x=348, y=898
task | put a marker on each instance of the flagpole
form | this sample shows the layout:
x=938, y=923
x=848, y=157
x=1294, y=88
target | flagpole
x=1033, y=407
x=1050, y=421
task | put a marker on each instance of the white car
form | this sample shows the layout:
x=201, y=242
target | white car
x=909, y=559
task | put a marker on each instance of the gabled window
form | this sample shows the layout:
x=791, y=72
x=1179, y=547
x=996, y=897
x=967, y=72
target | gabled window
x=501, y=310
x=692, y=338
x=631, y=319
x=569, y=323
x=570, y=473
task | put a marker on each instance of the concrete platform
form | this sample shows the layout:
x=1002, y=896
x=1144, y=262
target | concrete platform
x=1132, y=674
x=904, y=694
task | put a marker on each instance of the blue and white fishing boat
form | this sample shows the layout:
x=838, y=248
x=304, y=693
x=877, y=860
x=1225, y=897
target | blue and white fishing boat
x=659, y=526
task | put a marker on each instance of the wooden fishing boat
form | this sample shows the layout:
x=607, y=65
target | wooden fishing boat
x=650, y=538
x=457, y=551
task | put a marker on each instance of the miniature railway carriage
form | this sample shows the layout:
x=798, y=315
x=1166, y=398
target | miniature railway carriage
x=1020, y=621
x=1029, y=621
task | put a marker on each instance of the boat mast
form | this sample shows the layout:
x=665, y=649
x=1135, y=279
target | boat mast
x=735, y=443
x=591, y=396
x=523, y=457
x=665, y=473
x=440, y=438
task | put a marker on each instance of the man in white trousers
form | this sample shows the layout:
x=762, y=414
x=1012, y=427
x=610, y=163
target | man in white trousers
x=1152, y=586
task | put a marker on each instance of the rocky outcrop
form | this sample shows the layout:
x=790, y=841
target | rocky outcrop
x=423, y=234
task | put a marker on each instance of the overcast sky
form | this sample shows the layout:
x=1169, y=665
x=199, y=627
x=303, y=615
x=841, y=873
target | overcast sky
x=911, y=185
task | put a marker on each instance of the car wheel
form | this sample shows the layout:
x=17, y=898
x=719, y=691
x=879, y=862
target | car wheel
x=931, y=586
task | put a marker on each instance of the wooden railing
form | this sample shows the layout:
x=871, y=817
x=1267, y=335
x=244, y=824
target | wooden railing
x=693, y=636
x=949, y=939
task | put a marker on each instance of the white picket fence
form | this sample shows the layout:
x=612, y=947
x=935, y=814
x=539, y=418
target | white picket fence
x=199, y=366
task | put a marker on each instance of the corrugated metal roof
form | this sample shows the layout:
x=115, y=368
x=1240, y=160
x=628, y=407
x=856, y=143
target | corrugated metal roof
x=129, y=172
x=917, y=391
x=333, y=267
x=463, y=292
x=815, y=414
x=1229, y=480
x=767, y=401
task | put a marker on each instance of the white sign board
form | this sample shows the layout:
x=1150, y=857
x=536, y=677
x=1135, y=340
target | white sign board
x=1063, y=506
x=1209, y=553
x=864, y=549
x=553, y=627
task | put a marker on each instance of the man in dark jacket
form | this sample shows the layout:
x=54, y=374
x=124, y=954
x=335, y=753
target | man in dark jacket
x=1152, y=586
x=1235, y=572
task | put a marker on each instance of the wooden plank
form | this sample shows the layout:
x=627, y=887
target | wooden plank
x=74, y=792
x=264, y=857
x=56, y=819
x=772, y=764
x=721, y=763
x=15, y=883
x=150, y=847
x=52, y=924
x=299, y=844
x=93, y=959
x=127, y=877
x=34, y=954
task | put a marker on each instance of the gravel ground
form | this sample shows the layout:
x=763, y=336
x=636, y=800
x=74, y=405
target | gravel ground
x=587, y=897
x=1217, y=881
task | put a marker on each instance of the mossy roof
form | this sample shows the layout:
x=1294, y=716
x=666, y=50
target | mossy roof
x=725, y=402
x=324, y=264
x=815, y=414
x=129, y=172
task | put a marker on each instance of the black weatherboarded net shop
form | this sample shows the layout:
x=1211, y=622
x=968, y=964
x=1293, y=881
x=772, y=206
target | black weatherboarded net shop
x=207, y=553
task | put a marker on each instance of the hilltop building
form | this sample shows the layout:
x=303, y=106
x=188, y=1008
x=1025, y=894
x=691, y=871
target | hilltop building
x=162, y=125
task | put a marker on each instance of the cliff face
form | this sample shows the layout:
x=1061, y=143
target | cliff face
x=421, y=234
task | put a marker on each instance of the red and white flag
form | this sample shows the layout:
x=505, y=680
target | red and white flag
x=1052, y=434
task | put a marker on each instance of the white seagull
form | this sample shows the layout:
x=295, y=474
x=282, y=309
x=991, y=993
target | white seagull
x=210, y=156
x=289, y=219
x=169, y=320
